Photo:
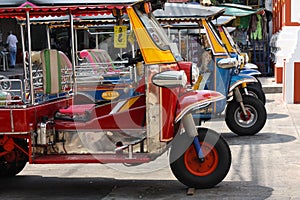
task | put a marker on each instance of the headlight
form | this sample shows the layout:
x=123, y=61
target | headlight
x=170, y=79
x=246, y=57
x=241, y=60
x=195, y=73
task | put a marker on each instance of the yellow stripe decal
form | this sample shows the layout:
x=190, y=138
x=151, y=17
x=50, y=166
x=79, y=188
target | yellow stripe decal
x=226, y=42
x=128, y=104
x=215, y=44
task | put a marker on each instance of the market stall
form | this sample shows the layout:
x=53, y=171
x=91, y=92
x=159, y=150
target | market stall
x=252, y=33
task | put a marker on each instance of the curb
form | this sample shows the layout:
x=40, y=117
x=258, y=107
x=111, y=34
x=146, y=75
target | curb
x=270, y=89
x=270, y=86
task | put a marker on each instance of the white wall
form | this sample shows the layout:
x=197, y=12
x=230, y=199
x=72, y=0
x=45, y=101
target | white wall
x=295, y=8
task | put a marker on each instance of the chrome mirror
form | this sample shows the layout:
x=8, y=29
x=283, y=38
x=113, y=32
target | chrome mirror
x=228, y=63
x=170, y=79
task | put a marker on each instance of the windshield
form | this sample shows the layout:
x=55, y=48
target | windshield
x=158, y=35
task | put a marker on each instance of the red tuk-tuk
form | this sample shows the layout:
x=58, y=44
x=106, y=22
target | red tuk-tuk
x=43, y=123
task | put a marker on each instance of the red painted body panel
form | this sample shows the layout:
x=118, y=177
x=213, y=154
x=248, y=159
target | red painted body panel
x=169, y=99
x=5, y=120
x=103, y=117
x=169, y=103
x=132, y=119
x=25, y=119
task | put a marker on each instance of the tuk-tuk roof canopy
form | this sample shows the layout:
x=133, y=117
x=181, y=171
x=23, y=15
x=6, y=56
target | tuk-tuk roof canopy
x=64, y=19
x=223, y=20
x=79, y=22
x=187, y=12
x=38, y=8
x=19, y=3
x=239, y=10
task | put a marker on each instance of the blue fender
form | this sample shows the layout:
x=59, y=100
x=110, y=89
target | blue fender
x=238, y=79
x=250, y=72
x=250, y=66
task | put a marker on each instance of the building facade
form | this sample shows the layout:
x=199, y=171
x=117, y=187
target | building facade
x=286, y=45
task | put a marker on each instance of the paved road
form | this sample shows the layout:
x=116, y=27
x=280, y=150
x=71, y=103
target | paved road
x=265, y=166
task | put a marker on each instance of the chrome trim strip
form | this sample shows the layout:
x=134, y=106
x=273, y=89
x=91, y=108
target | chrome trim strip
x=117, y=107
x=12, y=121
x=196, y=105
x=245, y=80
x=14, y=133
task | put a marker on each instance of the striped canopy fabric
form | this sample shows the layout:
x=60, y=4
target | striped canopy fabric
x=40, y=8
x=51, y=66
x=187, y=12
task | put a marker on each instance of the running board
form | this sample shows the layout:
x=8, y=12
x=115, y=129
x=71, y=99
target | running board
x=137, y=158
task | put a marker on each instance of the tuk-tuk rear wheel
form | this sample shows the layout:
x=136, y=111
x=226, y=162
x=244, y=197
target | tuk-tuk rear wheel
x=13, y=162
x=190, y=171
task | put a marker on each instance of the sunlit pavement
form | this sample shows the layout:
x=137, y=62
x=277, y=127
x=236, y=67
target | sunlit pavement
x=269, y=162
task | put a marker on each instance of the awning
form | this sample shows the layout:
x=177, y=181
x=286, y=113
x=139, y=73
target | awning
x=223, y=20
x=19, y=3
x=79, y=21
x=65, y=19
x=11, y=3
x=38, y=8
x=239, y=10
x=80, y=2
x=187, y=12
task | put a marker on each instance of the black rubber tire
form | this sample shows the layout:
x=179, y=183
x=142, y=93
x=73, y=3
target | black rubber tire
x=256, y=91
x=258, y=82
x=242, y=127
x=16, y=165
x=220, y=150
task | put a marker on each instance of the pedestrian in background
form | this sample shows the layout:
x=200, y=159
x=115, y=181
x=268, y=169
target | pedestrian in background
x=12, y=48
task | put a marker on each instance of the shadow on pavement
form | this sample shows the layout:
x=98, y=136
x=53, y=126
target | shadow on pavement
x=276, y=116
x=261, y=138
x=270, y=100
x=37, y=187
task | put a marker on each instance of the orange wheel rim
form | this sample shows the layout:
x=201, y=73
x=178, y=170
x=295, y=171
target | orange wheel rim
x=198, y=168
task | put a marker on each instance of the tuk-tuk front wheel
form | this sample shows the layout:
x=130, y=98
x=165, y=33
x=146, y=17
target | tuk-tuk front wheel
x=193, y=172
x=249, y=124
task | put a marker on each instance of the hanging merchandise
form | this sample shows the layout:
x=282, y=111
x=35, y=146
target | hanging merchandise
x=244, y=22
x=255, y=27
